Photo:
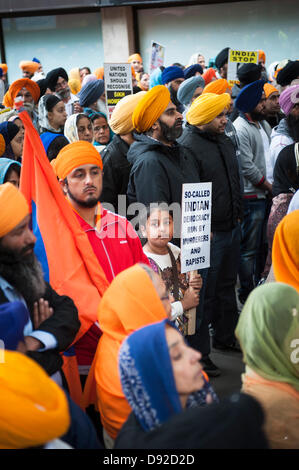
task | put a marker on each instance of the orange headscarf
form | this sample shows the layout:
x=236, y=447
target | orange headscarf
x=217, y=86
x=74, y=155
x=13, y=208
x=135, y=57
x=2, y=145
x=150, y=108
x=29, y=66
x=33, y=408
x=269, y=89
x=16, y=86
x=129, y=303
x=285, y=250
x=99, y=73
x=209, y=75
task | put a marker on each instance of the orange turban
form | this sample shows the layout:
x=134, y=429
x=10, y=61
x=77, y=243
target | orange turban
x=99, y=73
x=135, y=57
x=206, y=107
x=74, y=74
x=16, y=86
x=150, y=108
x=13, y=208
x=2, y=145
x=209, y=75
x=269, y=89
x=285, y=251
x=74, y=155
x=33, y=408
x=217, y=86
x=121, y=118
x=75, y=85
x=4, y=68
x=262, y=56
x=29, y=66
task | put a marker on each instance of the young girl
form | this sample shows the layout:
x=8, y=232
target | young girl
x=156, y=225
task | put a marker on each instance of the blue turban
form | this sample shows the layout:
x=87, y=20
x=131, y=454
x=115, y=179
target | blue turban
x=188, y=87
x=13, y=318
x=172, y=73
x=155, y=78
x=91, y=92
x=147, y=378
x=250, y=96
x=36, y=60
x=191, y=71
x=47, y=138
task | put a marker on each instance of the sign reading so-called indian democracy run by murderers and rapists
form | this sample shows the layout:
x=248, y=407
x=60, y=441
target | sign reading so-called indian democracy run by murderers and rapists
x=196, y=226
x=235, y=59
x=118, y=84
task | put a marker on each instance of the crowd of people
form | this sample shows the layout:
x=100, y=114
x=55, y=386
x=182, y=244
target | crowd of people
x=141, y=352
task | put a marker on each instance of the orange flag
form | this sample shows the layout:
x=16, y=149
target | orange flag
x=62, y=247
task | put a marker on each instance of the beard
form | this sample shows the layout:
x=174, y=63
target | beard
x=64, y=94
x=257, y=116
x=92, y=202
x=24, y=273
x=29, y=107
x=293, y=125
x=170, y=134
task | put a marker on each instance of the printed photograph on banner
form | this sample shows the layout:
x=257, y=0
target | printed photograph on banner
x=118, y=84
x=235, y=59
x=196, y=226
x=157, y=56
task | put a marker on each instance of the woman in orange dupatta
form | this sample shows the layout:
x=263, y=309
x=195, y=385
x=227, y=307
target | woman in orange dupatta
x=136, y=297
x=268, y=331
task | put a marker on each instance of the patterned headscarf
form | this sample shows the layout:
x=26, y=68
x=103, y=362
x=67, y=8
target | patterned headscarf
x=147, y=377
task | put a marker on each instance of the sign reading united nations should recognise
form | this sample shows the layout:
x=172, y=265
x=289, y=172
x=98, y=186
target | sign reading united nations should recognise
x=118, y=84
x=235, y=59
x=196, y=226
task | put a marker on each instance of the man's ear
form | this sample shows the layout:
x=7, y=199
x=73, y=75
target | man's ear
x=156, y=126
x=63, y=185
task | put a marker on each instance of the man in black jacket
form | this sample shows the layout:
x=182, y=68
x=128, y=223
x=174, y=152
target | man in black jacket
x=116, y=168
x=53, y=322
x=160, y=166
x=204, y=136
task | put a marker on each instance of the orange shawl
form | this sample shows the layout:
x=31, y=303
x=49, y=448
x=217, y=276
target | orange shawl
x=129, y=303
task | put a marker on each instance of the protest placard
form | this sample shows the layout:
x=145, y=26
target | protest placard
x=157, y=56
x=235, y=59
x=196, y=226
x=118, y=84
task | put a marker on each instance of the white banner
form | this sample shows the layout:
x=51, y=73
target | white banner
x=196, y=226
x=118, y=84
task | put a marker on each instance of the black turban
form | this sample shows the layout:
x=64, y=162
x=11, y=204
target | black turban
x=248, y=73
x=43, y=85
x=53, y=76
x=288, y=73
x=222, y=58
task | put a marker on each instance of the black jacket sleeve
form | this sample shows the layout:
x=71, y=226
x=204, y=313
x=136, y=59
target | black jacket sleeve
x=64, y=324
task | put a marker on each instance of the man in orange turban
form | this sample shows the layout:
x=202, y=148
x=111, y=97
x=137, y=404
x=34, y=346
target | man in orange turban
x=28, y=68
x=272, y=106
x=53, y=322
x=204, y=136
x=28, y=91
x=136, y=61
x=159, y=164
x=115, y=243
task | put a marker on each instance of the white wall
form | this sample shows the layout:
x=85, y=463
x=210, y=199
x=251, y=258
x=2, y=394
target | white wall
x=272, y=26
x=57, y=41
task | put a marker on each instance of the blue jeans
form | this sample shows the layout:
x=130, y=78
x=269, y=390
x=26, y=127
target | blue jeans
x=220, y=306
x=251, y=244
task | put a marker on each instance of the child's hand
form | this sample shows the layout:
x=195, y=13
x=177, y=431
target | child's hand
x=190, y=300
x=196, y=282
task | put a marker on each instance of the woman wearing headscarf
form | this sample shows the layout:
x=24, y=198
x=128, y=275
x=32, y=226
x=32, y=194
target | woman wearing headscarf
x=135, y=298
x=10, y=171
x=14, y=139
x=51, y=114
x=163, y=381
x=101, y=130
x=268, y=332
x=78, y=127
x=285, y=184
